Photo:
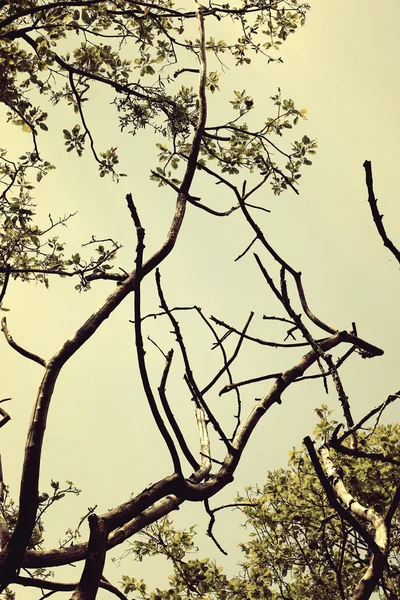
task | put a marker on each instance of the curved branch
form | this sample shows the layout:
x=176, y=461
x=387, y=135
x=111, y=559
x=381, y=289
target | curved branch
x=19, y=348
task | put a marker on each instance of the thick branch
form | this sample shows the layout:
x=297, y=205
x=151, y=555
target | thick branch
x=59, y=586
x=91, y=575
x=333, y=501
x=379, y=545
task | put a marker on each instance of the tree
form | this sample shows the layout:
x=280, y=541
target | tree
x=60, y=51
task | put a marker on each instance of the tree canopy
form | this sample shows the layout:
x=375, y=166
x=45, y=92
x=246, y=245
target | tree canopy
x=65, y=51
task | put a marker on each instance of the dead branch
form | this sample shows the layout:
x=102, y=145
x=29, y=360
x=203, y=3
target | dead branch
x=377, y=217
x=170, y=416
x=198, y=395
x=19, y=348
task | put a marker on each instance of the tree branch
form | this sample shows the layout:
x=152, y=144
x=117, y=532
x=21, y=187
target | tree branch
x=19, y=348
x=377, y=217
x=94, y=565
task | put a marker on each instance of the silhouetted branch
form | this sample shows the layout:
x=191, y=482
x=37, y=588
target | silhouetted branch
x=140, y=352
x=19, y=348
x=211, y=523
x=219, y=344
x=58, y=586
x=378, y=409
x=234, y=386
x=198, y=395
x=170, y=416
x=94, y=564
x=5, y=284
x=377, y=217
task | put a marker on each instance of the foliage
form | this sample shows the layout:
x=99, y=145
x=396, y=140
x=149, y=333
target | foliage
x=65, y=52
x=309, y=551
x=298, y=546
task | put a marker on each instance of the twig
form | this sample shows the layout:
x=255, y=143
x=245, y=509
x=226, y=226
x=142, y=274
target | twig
x=211, y=523
x=232, y=358
x=156, y=345
x=219, y=344
x=5, y=415
x=257, y=340
x=378, y=409
x=246, y=249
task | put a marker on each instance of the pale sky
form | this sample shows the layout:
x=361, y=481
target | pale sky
x=343, y=67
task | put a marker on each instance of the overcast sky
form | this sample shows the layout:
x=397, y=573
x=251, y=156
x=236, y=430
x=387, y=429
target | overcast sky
x=343, y=68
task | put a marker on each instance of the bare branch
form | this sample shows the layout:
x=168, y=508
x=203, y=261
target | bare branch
x=59, y=586
x=92, y=572
x=140, y=352
x=5, y=284
x=198, y=395
x=234, y=386
x=170, y=416
x=211, y=523
x=377, y=217
x=19, y=348
x=5, y=415
x=378, y=409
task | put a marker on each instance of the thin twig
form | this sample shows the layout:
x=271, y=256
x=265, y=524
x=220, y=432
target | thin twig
x=211, y=523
